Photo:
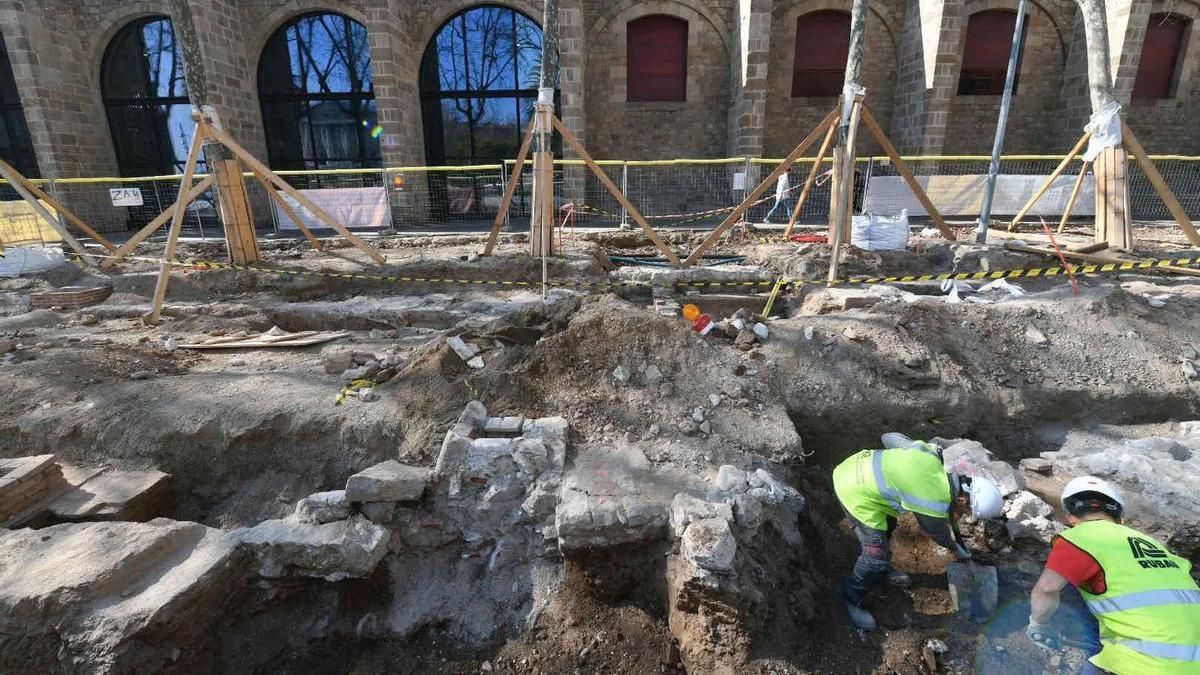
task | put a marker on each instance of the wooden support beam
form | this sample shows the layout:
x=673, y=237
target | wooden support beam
x=59, y=208
x=812, y=178
x=906, y=174
x=1050, y=180
x=149, y=228
x=289, y=211
x=1093, y=247
x=164, y=271
x=13, y=179
x=1160, y=185
x=258, y=167
x=236, y=217
x=741, y=209
x=843, y=187
x=1113, y=225
x=509, y=190
x=614, y=190
x=1083, y=170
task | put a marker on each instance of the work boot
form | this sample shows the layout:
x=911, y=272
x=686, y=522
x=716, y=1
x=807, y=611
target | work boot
x=860, y=617
x=898, y=579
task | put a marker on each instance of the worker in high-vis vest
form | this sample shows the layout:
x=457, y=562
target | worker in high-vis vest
x=876, y=486
x=1143, y=597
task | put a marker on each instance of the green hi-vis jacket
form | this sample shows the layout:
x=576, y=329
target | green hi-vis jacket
x=875, y=484
x=1149, y=614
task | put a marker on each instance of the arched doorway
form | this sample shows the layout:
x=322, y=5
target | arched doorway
x=16, y=145
x=479, y=82
x=145, y=96
x=318, y=96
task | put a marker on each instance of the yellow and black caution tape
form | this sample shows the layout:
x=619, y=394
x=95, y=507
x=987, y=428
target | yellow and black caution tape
x=784, y=282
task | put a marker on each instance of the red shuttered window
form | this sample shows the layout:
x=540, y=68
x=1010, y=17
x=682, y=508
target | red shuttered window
x=1165, y=37
x=657, y=59
x=985, y=55
x=822, y=43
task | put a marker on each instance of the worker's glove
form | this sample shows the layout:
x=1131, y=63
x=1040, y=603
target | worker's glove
x=1043, y=636
x=961, y=553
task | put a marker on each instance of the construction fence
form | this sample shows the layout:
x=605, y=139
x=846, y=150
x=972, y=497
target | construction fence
x=670, y=193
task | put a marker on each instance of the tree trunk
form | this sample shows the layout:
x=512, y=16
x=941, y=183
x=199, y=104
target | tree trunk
x=549, y=79
x=1095, y=26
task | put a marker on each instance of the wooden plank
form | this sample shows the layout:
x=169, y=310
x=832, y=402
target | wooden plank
x=11, y=176
x=906, y=174
x=59, y=208
x=150, y=227
x=812, y=178
x=246, y=226
x=258, y=167
x=164, y=271
x=509, y=191
x=737, y=213
x=223, y=170
x=291, y=340
x=843, y=207
x=1100, y=231
x=546, y=230
x=288, y=211
x=614, y=190
x=1088, y=248
x=1160, y=185
x=1070, y=255
x=1083, y=170
x=1050, y=179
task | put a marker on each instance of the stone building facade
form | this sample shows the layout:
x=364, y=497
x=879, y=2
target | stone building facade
x=740, y=55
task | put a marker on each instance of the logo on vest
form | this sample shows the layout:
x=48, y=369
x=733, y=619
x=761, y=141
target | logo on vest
x=1149, y=555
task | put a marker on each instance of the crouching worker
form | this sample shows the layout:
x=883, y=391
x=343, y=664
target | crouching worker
x=876, y=486
x=1143, y=597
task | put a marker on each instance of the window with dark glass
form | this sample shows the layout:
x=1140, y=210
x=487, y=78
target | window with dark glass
x=16, y=146
x=318, y=99
x=1157, y=72
x=656, y=65
x=145, y=95
x=479, y=82
x=986, y=52
x=822, y=46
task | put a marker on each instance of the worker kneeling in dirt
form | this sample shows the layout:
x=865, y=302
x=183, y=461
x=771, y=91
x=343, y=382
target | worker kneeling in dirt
x=1143, y=597
x=876, y=486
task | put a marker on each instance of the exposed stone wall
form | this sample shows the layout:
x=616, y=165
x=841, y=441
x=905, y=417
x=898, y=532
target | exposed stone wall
x=653, y=130
x=790, y=119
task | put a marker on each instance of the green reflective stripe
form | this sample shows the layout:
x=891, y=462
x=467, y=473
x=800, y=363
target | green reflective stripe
x=894, y=497
x=1145, y=599
x=1163, y=650
x=889, y=495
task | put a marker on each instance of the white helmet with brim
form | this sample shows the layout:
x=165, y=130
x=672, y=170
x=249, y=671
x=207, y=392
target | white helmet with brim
x=1088, y=493
x=986, y=499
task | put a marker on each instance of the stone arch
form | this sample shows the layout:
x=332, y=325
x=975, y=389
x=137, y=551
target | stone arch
x=278, y=17
x=449, y=10
x=629, y=10
x=109, y=27
x=976, y=6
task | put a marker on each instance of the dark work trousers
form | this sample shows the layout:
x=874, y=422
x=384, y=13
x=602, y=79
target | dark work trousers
x=874, y=560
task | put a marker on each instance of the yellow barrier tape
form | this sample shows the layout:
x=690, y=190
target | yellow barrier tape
x=1027, y=272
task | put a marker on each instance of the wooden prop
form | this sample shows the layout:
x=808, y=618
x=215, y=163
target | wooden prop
x=1050, y=180
x=843, y=204
x=737, y=213
x=181, y=202
x=56, y=205
x=236, y=217
x=1160, y=185
x=541, y=225
x=11, y=176
x=509, y=190
x=288, y=211
x=1083, y=170
x=812, y=178
x=902, y=168
x=1113, y=225
x=615, y=191
x=258, y=167
x=149, y=229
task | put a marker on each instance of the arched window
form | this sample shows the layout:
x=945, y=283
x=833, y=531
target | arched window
x=985, y=54
x=822, y=45
x=656, y=67
x=145, y=95
x=318, y=100
x=1157, y=73
x=479, y=82
x=16, y=146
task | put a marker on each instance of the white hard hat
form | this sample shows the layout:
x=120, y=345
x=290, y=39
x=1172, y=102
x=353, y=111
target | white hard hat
x=1082, y=484
x=986, y=499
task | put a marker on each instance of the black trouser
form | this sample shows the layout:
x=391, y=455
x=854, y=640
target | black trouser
x=874, y=560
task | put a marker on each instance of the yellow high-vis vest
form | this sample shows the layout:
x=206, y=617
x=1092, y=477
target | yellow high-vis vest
x=1149, y=614
x=875, y=484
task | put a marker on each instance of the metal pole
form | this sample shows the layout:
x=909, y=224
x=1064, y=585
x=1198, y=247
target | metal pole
x=985, y=214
